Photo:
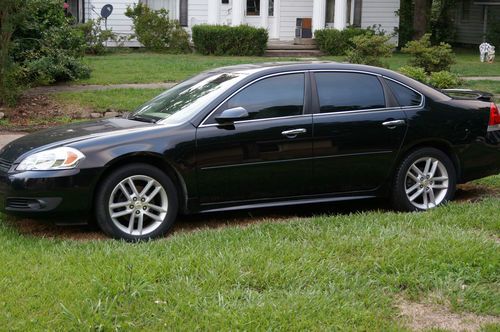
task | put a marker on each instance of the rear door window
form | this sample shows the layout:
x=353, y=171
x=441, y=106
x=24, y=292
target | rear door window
x=339, y=92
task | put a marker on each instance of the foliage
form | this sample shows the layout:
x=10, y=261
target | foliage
x=96, y=37
x=417, y=73
x=226, y=40
x=370, y=49
x=444, y=80
x=43, y=47
x=338, y=42
x=431, y=58
x=442, y=24
x=156, y=31
x=405, y=29
x=440, y=79
x=493, y=33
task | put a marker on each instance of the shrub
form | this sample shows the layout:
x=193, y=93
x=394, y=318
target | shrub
x=96, y=37
x=226, y=40
x=370, y=49
x=444, y=80
x=431, y=58
x=338, y=42
x=156, y=31
x=493, y=33
x=416, y=73
x=38, y=46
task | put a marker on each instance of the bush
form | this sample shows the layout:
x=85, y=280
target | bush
x=370, y=49
x=96, y=37
x=226, y=40
x=493, y=33
x=416, y=73
x=156, y=31
x=444, y=80
x=338, y=42
x=439, y=80
x=39, y=46
x=431, y=58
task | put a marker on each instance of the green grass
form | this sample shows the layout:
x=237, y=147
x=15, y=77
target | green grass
x=328, y=272
x=484, y=85
x=113, y=99
x=144, y=67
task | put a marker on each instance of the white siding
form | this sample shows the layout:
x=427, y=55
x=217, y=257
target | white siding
x=197, y=12
x=290, y=11
x=383, y=12
x=118, y=22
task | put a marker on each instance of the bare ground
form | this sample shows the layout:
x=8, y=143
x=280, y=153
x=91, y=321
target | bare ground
x=422, y=316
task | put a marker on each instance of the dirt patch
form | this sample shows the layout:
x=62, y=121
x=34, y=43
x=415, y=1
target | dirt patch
x=40, y=112
x=425, y=316
x=470, y=192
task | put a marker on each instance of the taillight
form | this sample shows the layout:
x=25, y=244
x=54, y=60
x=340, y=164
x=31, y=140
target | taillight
x=494, y=115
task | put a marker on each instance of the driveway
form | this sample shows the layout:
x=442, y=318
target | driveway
x=6, y=137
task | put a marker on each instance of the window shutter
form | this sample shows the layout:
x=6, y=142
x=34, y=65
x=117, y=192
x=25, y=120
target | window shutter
x=183, y=15
x=358, y=8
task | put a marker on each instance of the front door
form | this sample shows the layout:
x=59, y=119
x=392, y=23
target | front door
x=265, y=156
x=357, y=133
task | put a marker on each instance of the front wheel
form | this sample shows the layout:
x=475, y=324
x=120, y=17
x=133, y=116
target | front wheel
x=425, y=179
x=136, y=202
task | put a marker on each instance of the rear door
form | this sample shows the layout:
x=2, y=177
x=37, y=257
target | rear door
x=266, y=156
x=358, y=131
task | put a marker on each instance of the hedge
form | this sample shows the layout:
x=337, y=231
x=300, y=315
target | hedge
x=226, y=40
x=337, y=42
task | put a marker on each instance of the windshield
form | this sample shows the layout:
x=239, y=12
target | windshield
x=184, y=100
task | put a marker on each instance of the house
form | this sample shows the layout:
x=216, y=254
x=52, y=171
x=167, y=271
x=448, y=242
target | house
x=473, y=19
x=284, y=19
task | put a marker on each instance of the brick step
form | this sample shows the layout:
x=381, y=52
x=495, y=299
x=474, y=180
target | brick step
x=290, y=47
x=293, y=53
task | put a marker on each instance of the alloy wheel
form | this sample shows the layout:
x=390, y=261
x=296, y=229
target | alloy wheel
x=426, y=183
x=138, y=205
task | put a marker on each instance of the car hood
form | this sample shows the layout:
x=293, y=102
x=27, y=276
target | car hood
x=67, y=134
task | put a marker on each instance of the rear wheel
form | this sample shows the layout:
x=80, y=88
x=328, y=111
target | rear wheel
x=136, y=202
x=425, y=179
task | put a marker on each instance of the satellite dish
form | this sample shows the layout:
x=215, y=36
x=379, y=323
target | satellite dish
x=106, y=11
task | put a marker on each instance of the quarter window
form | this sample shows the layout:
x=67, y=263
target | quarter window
x=405, y=97
x=348, y=92
x=270, y=98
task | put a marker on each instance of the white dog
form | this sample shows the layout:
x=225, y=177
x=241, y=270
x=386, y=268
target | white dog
x=487, y=52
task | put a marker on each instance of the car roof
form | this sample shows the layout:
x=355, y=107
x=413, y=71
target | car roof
x=265, y=68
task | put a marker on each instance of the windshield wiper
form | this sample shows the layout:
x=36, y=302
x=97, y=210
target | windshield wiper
x=143, y=118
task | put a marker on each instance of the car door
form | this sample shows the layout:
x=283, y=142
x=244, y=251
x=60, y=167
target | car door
x=358, y=131
x=265, y=156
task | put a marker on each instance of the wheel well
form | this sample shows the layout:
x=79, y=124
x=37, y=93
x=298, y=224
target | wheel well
x=152, y=160
x=442, y=146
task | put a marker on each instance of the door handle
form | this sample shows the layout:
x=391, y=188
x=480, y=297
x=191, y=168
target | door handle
x=393, y=123
x=292, y=133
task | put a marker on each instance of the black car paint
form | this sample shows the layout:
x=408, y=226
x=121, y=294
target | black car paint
x=230, y=167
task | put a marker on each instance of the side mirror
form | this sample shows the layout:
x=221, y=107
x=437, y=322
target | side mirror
x=231, y=115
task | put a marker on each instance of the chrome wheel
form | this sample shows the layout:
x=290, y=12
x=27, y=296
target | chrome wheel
x=138, y=205
x=426, y=183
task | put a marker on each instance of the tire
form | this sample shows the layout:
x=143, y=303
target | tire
x=426, y=178
x=119, y=209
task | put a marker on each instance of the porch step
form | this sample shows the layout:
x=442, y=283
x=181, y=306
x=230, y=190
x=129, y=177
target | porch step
x=293, y=53
x=283, y=46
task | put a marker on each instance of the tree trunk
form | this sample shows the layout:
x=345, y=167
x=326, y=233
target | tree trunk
x=421, y=15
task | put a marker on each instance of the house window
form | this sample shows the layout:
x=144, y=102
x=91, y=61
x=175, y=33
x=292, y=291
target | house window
x=353, y=12
x=465, y=10
x=253, y=8
x=183, y=15
x=225, y=2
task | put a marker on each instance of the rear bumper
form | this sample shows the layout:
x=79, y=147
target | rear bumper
x=67, y=193
x=482, y=158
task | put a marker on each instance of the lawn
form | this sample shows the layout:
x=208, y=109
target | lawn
x=143, y=67
x=323, y=272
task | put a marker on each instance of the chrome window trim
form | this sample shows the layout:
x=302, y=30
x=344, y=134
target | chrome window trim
x=203, y=124
x=385, y=109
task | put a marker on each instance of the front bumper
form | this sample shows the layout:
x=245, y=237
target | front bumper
x=43, y=193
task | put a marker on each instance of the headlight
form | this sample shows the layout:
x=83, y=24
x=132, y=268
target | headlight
x=54, y=159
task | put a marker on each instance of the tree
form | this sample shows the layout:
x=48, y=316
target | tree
x=421, y=17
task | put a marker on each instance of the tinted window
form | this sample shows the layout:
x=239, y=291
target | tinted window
x=271, y=97
x=405, y=96
x=348, y=92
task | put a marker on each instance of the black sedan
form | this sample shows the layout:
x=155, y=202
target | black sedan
x=254, y=136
